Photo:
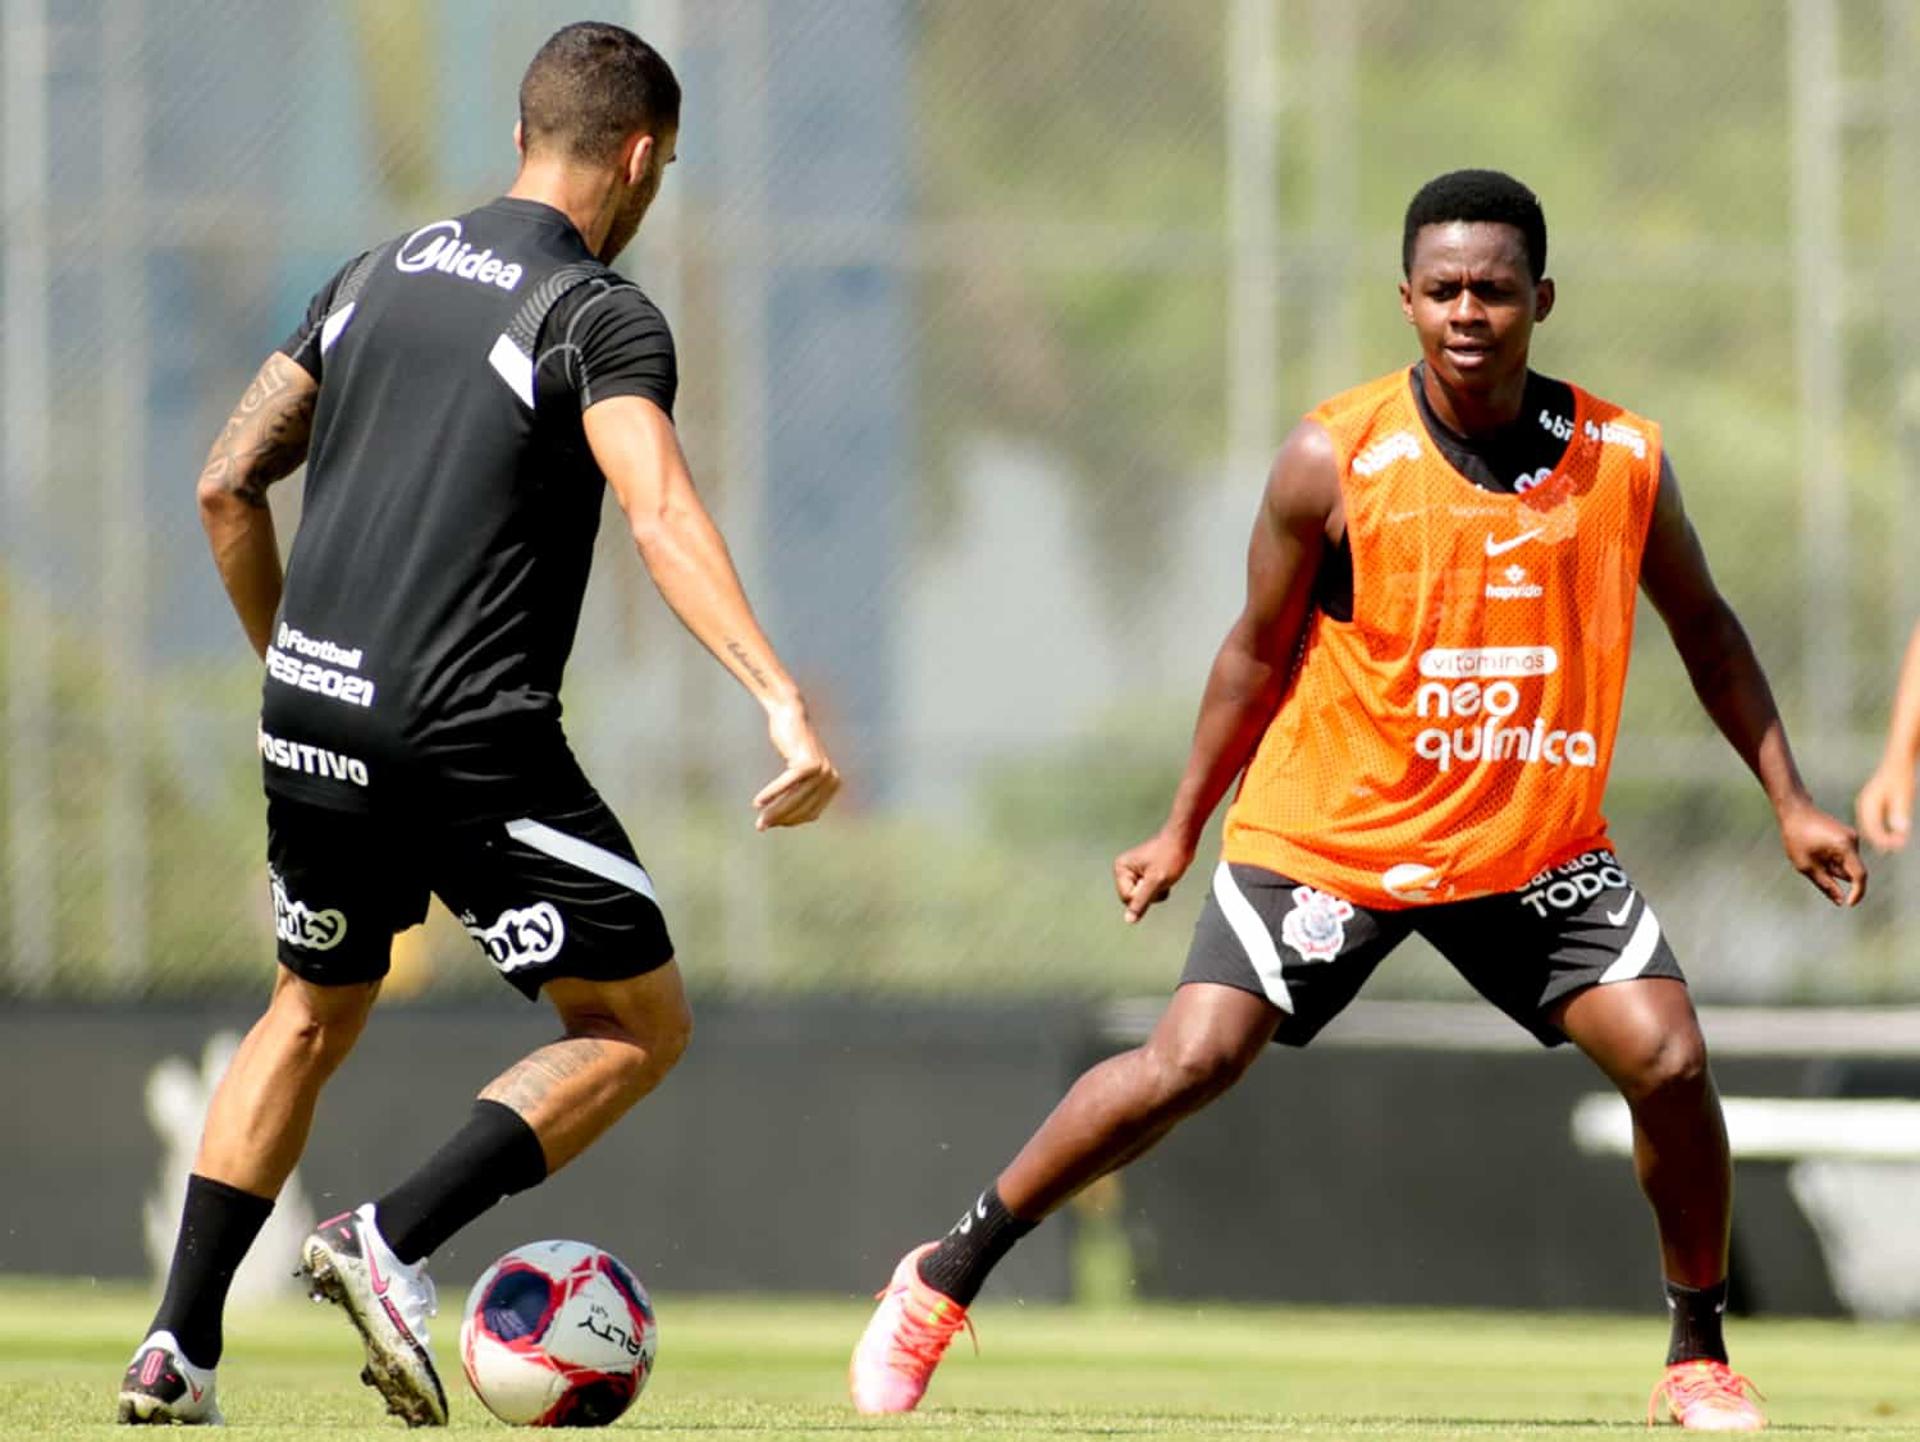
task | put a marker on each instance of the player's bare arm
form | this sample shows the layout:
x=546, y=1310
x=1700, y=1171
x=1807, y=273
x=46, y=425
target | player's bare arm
x=1730, y=683
x=1885, y=804
x=635, y=444
x=1299, y=514
x=263, y=441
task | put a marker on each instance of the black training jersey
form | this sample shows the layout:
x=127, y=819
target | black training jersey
x=451, y=503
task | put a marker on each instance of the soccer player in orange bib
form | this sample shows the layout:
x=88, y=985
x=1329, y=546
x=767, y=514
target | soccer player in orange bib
x=1422, y=691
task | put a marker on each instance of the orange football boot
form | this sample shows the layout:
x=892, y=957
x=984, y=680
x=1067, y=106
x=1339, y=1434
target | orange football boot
x=904, y=1341
x=1707, y=1396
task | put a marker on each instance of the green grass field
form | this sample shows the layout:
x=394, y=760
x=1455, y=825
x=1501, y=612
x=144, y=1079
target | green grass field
x=732, y=1368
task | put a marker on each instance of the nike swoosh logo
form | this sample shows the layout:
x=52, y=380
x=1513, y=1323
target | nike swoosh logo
x=197, y=1392
x=374, y=1273
x=1619, y=918
x=1500, y=548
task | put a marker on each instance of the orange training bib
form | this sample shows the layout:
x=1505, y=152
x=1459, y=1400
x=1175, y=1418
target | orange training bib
x=1452, y=739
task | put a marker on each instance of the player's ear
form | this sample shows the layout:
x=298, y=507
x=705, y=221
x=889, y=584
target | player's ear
x=640, y=150
x=519, y=141
x=1542, y=300
x=1406, y=300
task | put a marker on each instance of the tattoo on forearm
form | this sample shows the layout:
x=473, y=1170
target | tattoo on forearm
x=528, y=1083
x=266, y=436
x=739, y=653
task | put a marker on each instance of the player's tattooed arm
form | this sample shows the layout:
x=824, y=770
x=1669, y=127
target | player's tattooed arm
x=747, y=664
x=1732, y=686
x=263, y=440
x=636, y=447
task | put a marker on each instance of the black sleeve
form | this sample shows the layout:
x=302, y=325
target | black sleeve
x=614, y=342
x=303, y=346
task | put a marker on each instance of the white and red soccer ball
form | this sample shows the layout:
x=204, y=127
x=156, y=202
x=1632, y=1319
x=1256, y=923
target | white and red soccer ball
x=558, y=1334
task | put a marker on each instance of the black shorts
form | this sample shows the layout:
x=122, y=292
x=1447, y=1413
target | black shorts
x=1577, y=925
x=559, y=893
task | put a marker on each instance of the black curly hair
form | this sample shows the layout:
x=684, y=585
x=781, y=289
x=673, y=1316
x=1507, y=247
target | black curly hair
x=1474, y=195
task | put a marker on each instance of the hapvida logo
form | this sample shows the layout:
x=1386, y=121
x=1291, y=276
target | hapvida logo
x=526, y=937
x=298, y=924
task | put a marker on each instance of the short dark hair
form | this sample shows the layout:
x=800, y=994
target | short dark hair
x=590, y=87
x=1476, y=195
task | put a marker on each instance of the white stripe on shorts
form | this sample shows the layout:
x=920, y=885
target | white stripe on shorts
x=1255, y=939
x=1638, y=951
x=609, y=865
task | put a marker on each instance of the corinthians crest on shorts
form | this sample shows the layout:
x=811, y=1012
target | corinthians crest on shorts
x=1317, y=926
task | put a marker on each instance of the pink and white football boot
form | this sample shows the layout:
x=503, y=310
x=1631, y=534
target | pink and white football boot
x=904, y=1341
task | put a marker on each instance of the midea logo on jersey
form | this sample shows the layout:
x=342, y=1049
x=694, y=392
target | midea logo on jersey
x=298, y=924
x=526, y=937
x=439, y=247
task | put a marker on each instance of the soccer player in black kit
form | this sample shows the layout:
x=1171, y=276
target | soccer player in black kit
x=460, y=396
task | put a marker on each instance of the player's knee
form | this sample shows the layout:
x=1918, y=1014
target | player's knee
x=1674, y=1066
x=670, y=1037
x=1192, y=1071
x=651, y=1043
x=318, y=1026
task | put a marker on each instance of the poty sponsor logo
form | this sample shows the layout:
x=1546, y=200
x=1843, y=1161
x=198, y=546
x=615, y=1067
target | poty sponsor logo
x=1490, y=740
x=1454, y=663
x=1399, y=446
x=312, y=760
x=526, y=937
x=438, y=246
x=298, y=924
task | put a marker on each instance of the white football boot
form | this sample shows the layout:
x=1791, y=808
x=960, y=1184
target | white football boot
x=349, y=1263
x=162, y=1386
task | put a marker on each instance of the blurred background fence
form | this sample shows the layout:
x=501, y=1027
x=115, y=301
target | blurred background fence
x=990, y=317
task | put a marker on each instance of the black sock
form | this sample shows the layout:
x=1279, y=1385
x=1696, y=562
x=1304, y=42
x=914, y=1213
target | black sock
x=1696, y=1322
x=489, y=1159
x=217, y=1225
x=958, y=1267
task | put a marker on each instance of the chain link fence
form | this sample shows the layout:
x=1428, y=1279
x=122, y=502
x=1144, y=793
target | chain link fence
x=990, y=316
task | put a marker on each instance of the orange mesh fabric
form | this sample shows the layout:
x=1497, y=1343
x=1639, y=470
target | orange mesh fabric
x=1453, y=738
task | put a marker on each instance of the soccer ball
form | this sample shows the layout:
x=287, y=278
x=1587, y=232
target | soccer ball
x=558, y=1334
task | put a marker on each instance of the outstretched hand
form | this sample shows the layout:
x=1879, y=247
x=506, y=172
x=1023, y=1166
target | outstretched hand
x=1147, y=873
x=1826, y=851
x=801, y=792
